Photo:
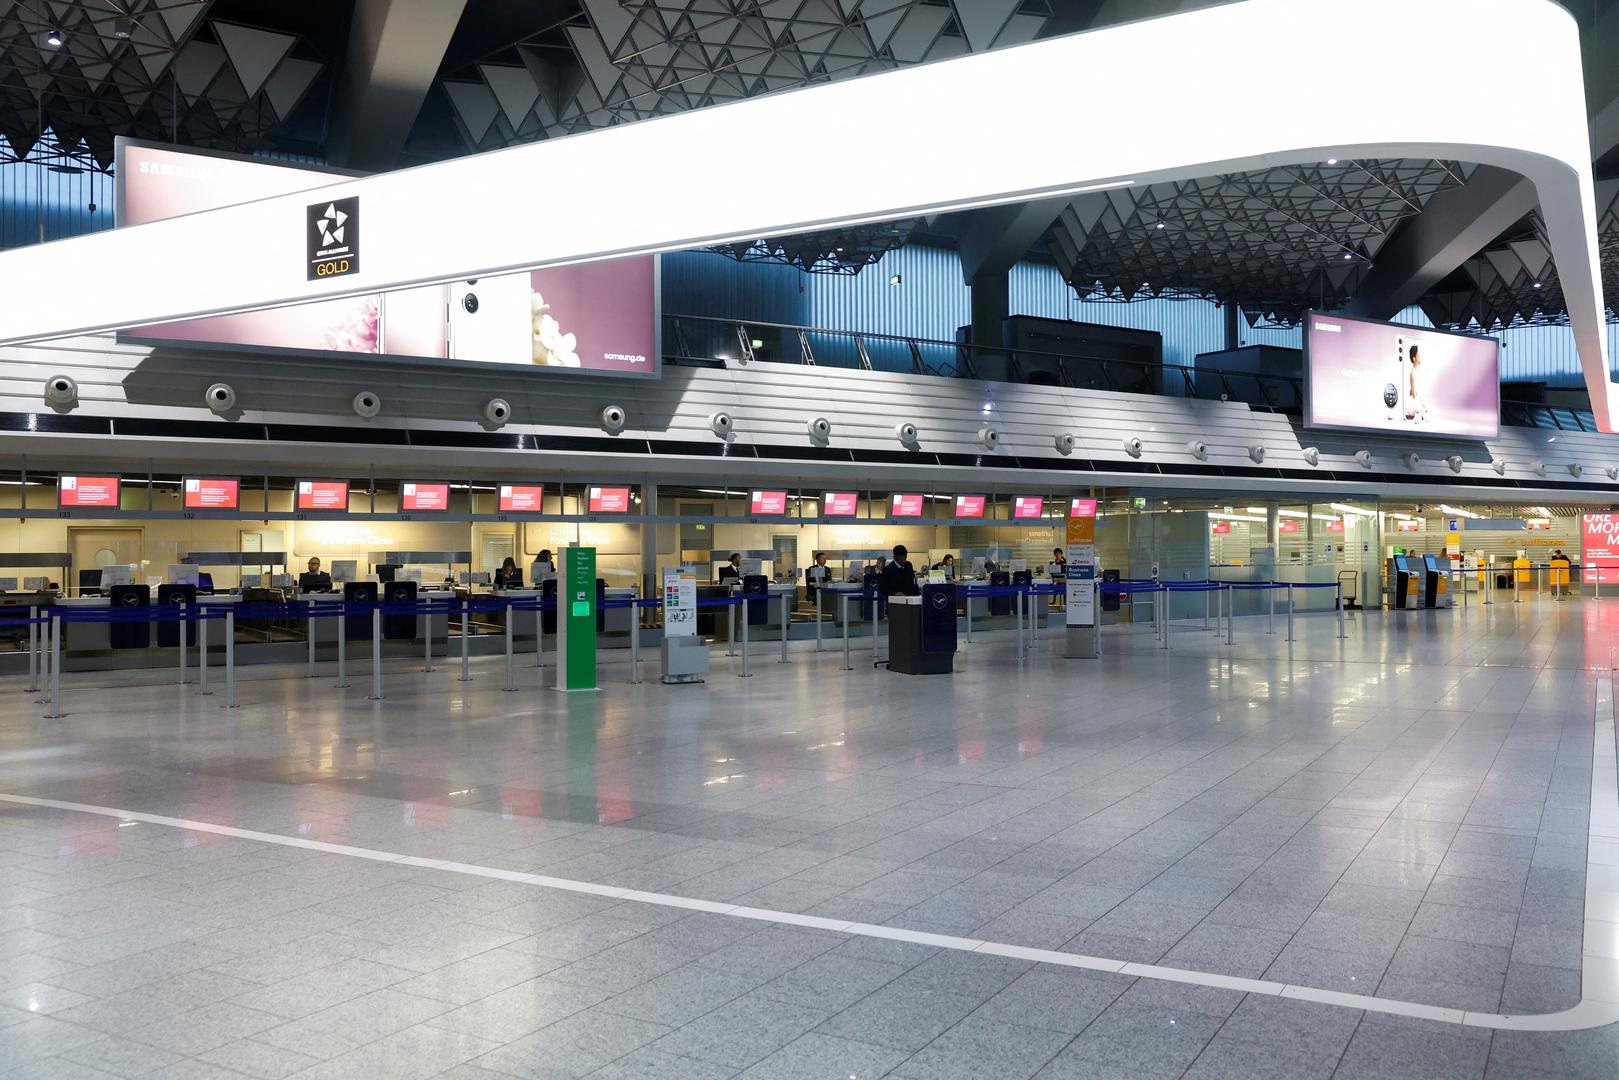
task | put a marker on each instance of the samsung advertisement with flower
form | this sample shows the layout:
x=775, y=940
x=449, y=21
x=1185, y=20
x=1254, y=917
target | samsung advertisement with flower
x=599, y=317
x=1361, y=375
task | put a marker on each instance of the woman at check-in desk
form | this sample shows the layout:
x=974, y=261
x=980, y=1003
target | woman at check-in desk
x=508, y=576
x=542, y=568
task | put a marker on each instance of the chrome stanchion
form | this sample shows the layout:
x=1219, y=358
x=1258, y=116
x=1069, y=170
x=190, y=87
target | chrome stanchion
x=343, y=649
x=180, y=620
x=843, y=602
x=745, y=673
x=1290, y=612
x=967, y=595
x=309, y=632
x=56, y=669
x=1341, y=633
x=230, y=658
x=786, y=621
x=1485, y=586
x=1160, y=599
x=1206, y=615
x=202, y=657
x=33, y=649
x=635, y=642
x=818, y=618
x=466, y=618
x=730, y=629
x=539, y=631
x=511, y=674
x=46, y=660
x=1018, y=607
x=427, y=652
x=376, y=655
x=1270, y=627
x=1035, y=604
x=1230, y=616
x=1517, y=586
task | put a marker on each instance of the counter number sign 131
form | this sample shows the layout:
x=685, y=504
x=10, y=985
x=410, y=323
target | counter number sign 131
x=332, y=231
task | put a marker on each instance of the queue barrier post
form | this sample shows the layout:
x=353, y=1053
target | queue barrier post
x=1206, y=615
x=202, y=658
x=1230, y=616
x=376, y=654
x=818, y=620
x=635, y=642
x=342, y=650
x=56, y=668
x=786, y=621
x=180, y=625
x=466, y=618
x=309, y=632
x=1160, y=600
x=745, y=673
x=1342, y=635
x=45, y=660
x=33, y=648
x=967, y=593
x=511, y=674
x=1290, y=611
x=1270, y=627
x=1022, y=650
x=730, y=630
x=427, y=652
x=842, y=599
x=1517, y=586
x=1036, y=606
x=230, y=658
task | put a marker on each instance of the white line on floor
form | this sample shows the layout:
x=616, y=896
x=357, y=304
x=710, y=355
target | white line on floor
x=1599, y=1005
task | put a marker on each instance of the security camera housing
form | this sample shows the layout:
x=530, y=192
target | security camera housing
x=497, y=411
x=720, y=424
x=819, y=428
x=1064, y=443
x=1198, y=449
x=1257, y=454
x=1312, y=455
x=906, y=433
x=220, y=397
x=1132, y=446
x=989, y=438
x=367, y=404
x=613, y=418
x=61, y=392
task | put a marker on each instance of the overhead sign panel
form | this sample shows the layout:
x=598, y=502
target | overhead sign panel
x=211, y=493
x=428, y=498
x=99, y=491
x=323, y=495
x=1361, y=375
x=840, y=504
x=601, y=318
x=522, y=498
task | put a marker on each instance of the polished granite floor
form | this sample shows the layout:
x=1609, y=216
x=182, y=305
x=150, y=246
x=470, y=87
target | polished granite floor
x=1402, y=814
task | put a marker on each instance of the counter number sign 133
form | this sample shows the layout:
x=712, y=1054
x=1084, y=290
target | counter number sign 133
x=332, y=231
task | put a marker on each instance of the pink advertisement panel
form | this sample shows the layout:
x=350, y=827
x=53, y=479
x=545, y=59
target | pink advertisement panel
x=1372, y=376
x=1599, y=547
x=597, y=317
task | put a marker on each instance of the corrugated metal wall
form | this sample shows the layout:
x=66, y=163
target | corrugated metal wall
x=38, y=204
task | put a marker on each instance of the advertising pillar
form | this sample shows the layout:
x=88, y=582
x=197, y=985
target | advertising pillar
x=576, y=620
x=1080, y=626
x=685, y=654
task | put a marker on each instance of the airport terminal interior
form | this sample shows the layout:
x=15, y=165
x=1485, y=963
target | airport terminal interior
x=814, y=540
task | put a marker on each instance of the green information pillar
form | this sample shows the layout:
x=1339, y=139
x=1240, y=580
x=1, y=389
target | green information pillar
x=576, y=620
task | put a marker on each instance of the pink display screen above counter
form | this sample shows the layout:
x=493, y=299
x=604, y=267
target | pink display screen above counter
x=609, y=500
x=767, y=502
x=87, y=491
x=521, y=498
x=323, y=495
x=1028, y=506
x=840, y=504
x=905, y=506
x=211, y=493
x=424, y=497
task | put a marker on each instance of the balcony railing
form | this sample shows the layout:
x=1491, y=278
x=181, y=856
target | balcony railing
x=702, y=340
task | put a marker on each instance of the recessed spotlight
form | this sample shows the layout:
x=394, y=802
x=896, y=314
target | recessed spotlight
x=1332, y=161
x=1348, y=255
x=1537, y=284
x=1159, y=224
x=54, y=38
x=123, y=27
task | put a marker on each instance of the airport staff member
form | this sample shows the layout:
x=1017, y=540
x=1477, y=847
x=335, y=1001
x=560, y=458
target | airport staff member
x=732, y=569
x=897, y=578
x=542, y=568
x=314, y=579
x=817, y=575
x=508, y=576
x=948, y=565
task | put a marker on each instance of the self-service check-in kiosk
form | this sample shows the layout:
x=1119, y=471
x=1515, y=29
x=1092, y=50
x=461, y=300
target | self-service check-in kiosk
x=922, y=631
x=1403, y=580
x=1435, y=581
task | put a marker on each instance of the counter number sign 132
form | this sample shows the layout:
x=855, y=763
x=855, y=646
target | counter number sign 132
x=332, y=231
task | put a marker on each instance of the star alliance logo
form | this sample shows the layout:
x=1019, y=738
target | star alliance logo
x=334, y=238
x=330, y=225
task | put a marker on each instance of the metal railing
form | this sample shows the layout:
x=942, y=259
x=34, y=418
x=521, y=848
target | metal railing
x=705, y=340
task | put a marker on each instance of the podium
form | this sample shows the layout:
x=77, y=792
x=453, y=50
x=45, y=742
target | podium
x=922, y=631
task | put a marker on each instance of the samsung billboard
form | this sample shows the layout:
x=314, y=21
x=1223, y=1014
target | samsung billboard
x=598, y=317
x=1361, y=375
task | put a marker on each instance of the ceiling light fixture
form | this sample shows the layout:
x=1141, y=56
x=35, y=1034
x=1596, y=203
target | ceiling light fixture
x=54, y=38
x=1332, y=161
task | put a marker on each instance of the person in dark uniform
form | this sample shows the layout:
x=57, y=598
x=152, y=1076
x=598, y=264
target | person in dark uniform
x=897, y=578
x=818, y=575
x=314, y=579
x=508, y=576
x=732, y=569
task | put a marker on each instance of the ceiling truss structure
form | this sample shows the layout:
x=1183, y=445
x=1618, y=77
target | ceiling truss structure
x=1278, y=242
x=154, y=69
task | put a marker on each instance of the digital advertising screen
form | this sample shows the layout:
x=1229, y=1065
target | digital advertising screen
x=323, y=495
x=428, y=498
x=905, y=506
x=1028, y=506
x=1287, y=526
x=1082, y=508
x=1599, y=547
x=767, y=502
x=521, y=498
x=1220, y=528
x=1373, y=376
x=211, y=493
x=98, y=491
x=840, y=504
x=969, y=506
x=597, y=317
x=609, y=500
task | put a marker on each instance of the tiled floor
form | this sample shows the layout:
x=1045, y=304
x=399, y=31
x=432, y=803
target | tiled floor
x=1402, y=814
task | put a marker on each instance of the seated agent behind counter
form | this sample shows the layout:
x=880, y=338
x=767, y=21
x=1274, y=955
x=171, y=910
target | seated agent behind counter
x=897, y=578
x=314, y=579
x=733, y=568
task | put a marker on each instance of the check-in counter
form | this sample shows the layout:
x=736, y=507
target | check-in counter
x=438, y=623
x=618, y=620
x=778, y=591
x=85, y=636
x=214, y=602
x=526, y=621
x=324, y=629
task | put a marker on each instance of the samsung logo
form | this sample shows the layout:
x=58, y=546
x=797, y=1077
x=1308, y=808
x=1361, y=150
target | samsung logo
x=154, y=168
x=629, y=358
x=1331, y=328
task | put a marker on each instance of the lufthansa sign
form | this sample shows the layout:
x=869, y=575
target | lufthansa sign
x=332, y=232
